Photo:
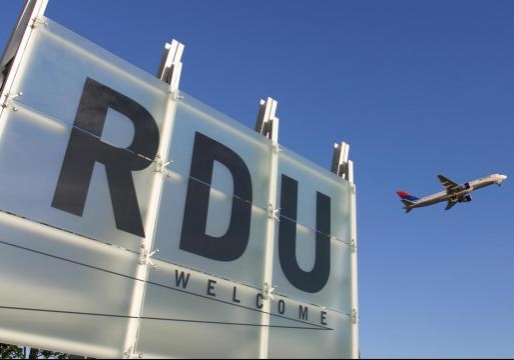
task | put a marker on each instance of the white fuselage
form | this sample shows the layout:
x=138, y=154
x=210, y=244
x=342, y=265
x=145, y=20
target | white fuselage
x=460, y=192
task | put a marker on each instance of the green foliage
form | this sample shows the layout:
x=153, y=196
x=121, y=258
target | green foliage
x=10, y=352
x=16, y=352
x=46, y=354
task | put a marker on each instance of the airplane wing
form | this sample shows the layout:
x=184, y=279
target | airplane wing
x=449, y=185
x=450, y=205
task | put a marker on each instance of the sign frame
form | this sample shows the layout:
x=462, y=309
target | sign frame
x=169, y=72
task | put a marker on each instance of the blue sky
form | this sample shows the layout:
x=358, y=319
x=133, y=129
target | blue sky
x=417, y=88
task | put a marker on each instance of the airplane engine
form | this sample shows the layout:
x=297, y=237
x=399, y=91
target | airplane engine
x=466, y=198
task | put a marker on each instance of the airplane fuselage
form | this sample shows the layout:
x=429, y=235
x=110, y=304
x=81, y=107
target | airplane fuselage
x=437, y=198
x=458, y=193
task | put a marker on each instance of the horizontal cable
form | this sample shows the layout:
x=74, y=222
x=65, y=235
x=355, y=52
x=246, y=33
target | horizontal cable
x=66, y=312
x=157, y=284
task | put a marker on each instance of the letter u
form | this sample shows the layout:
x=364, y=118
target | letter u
x=308, y=281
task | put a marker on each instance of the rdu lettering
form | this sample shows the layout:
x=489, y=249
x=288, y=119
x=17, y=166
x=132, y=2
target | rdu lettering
x=84, y=150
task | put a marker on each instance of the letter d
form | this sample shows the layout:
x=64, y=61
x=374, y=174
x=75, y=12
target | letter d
x=232, y=244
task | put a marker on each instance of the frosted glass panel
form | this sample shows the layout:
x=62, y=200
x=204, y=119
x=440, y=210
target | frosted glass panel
x=58, y=70
x=32, y=149
x=312, y=178
x=331, y=340
x=336, y=293
x=254, y=150
x=202, y=316
x=51, y=281
x=314, y=195
x=240, y=160
x=55, y=67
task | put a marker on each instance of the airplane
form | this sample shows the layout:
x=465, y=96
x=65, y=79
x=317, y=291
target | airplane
x=453, y=192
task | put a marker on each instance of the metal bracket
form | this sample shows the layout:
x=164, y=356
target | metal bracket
x=160, y=166
x=354, y=316
x=36, y=20
x=353, y=245
x=145, y=256
x=9, y=97
x=267, y=291
x=130, y=355
x=273, y=213
x=276, y=148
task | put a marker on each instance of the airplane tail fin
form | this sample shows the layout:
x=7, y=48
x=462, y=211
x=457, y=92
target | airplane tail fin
x=406, y=196
x=407, y=199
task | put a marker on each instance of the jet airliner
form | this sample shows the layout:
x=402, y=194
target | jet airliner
x=452, y=193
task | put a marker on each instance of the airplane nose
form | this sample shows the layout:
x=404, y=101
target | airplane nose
x=503, y=177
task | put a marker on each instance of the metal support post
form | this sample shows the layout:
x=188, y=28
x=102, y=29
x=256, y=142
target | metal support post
x=15, y=49
x=170, y=68
x=267, y=122
x=340, y=163
x=267, y=125
x=169, y=72
x=343, y=168
x=353, y=266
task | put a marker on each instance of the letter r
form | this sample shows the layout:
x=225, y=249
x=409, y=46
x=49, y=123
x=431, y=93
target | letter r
x=86, y=147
